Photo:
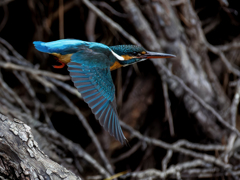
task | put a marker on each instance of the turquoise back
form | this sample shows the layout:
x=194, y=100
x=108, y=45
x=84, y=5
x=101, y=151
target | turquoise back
x=87, y=53
x=127, y=49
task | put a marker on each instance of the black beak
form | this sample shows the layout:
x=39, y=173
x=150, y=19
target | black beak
x=150, y=54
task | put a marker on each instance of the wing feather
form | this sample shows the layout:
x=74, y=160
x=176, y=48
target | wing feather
x=97, y=90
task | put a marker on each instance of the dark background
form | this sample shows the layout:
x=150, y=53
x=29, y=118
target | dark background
x=139, y=89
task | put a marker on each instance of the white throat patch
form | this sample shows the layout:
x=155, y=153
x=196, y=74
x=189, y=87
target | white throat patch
x=120, y=58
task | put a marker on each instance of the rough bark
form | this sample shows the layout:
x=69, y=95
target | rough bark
x=20, y=156
x=190, y=52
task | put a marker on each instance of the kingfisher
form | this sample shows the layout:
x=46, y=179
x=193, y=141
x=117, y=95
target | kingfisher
x=90, y=65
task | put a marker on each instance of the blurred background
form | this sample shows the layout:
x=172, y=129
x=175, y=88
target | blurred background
x=187, y=105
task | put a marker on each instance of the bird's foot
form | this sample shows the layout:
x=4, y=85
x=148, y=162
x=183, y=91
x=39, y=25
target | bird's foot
x=59, y=66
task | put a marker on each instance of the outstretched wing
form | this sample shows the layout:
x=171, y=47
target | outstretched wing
x=97, y=89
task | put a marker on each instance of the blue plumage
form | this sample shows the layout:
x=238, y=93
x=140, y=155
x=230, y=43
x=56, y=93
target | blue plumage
x=127, y=49
x=89, y=65
x=69, y=46
x=97, y=89
x=40, y=46
x=90, y=71
x=63, y=46
x=88, y=57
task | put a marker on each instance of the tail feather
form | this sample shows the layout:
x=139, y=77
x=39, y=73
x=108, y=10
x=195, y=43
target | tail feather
x=40, y=46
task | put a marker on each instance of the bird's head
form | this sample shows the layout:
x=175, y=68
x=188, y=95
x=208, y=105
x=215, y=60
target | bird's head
x=130, y=54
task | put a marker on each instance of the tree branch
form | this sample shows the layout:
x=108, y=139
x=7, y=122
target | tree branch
x=21, y=157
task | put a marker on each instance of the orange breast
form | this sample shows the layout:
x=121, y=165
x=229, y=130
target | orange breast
x=116, y=65
x=63, y=58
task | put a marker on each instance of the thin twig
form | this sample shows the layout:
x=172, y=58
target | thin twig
x=33, y=71
x=14, y=95
x=5, y=19
x=212, y=25
x=223, y=58
x=38, y=105
x=166, y=160
x=177, y=2
x=159, y=143
x=61, y=19
x=107, y=6
x=90, y=26
x=168, y=112
x=87, y=127
x=74, y=148
x=199, y=147
x=65, y=86
x=14, y=52
x=224, y=3
x=173, y=170
x=128, y=153
x=110, y=22
x=48, y=85
x=231, y=141
x=195, y=96
x=230, y=46
x=207, y=173
x=5, y=2
x=234, y=105
x=67, y=6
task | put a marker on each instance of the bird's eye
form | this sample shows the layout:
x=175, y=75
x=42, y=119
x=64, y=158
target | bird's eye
x=136, y=54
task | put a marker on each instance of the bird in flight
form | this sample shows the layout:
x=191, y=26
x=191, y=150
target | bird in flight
x=89, y=65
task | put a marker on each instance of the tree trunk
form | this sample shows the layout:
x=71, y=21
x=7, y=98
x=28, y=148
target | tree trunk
x=21, y=157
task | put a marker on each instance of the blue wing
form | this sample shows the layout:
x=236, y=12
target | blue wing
x=68, y=46
x=63, y=46
x=98, y=91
